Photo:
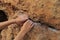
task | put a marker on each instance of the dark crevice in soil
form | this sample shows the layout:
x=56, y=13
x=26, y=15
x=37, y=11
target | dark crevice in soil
x=3, y=16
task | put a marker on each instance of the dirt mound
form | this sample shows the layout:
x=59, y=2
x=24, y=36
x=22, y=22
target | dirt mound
x=45, y=12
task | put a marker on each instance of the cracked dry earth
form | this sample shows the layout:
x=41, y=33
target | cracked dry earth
x=45, y=14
